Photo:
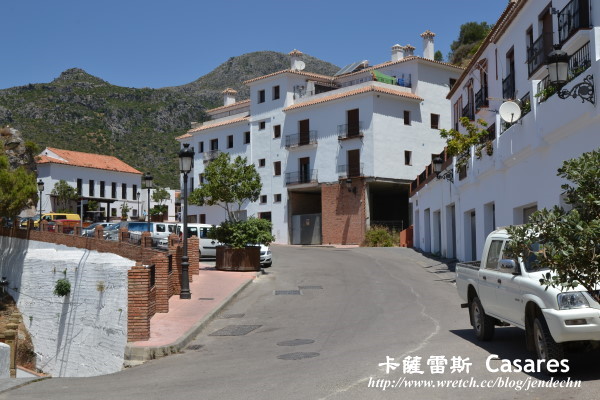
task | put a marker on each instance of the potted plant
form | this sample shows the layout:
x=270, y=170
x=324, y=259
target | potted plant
x=124, y=211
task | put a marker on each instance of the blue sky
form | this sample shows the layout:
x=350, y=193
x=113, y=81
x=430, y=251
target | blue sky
x=153, y=43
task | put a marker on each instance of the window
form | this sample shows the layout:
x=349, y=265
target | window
x=91, y=188
x=201, y=179
x=113, y=212
x=229, y=141
x=246, y=137
x=276, y=131
x=79, y=186
x=452, y=82
x=262, y=162
x=406, y=117
x=262, y=125
x=214, y=144
x=494, y=254
x=191, y=184
x=102, y=189
x=407, y=157
x=202, y=218
x=261, y=96
x=265, y=215
x=275, y=92
x=113, y=192
x=435, y=121
x=124, y=191
x=200, y=147
x=277, y=168
x=277, y=198
x=263, y=199
x=134, y=194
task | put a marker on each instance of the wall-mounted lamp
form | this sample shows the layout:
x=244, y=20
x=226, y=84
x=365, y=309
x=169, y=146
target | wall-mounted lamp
x=558, y=75
x=437, y=168
x=349, y=186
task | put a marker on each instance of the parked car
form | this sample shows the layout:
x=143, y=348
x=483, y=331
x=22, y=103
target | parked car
x=208, y=246
x=25, y=220
x=132, y=227
x=89, y=230
x=58, y=216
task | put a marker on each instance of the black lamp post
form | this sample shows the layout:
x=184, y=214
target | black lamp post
x=437, y=168
x=186, y=162
x=148, y=183
x=138, y=199
x=40, y=186
x=558, y=75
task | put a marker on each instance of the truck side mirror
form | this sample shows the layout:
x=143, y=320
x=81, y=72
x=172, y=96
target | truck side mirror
x=509, y=266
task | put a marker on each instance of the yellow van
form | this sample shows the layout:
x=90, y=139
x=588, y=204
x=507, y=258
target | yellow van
x=58, y=216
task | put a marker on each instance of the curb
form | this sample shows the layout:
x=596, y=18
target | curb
x=18, y=383
x=138, y=355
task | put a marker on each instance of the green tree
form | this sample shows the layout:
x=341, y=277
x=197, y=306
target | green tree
x=160, y=195
x=18, y=189
x=228, y=185
x=438, y=56
x=567, y=242
x=459, y=144
x=470, y=37
x=65, y=194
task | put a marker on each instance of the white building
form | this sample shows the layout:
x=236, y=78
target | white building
x=452, y=218
x=336, y=154
x=105, y=179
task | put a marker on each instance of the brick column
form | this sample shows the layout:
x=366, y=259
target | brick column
x=77, y=230
x=123, y=234
x=99, y=232
x=161, y=263
x=43, y=226
x=146, y=240
x=138, y=316
x=176, y=251
x=194, y=256
x=58, y=228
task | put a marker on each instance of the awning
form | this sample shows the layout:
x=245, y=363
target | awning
x=380, y=77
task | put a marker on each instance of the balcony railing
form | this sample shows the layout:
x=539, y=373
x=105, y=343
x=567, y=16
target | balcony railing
x=467, y=111
x=481, y=99
x=574, y=16
x=350, y=170
x=299, y=177
x=536, y=56
x=525, y=104
x=301, y=139
x=347, y=131
x=508, y=86
x=211, y=155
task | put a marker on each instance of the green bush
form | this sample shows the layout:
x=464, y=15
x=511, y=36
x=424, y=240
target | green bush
x=242, y=233
x=381, y=236
x=62, y=288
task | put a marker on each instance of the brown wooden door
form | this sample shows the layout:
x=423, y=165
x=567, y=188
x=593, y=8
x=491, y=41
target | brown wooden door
x=353, y=123
x=304, y=132
x=304, y=169
x=353, y=163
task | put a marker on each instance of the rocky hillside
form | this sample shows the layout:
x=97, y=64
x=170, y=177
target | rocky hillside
x=78, y=111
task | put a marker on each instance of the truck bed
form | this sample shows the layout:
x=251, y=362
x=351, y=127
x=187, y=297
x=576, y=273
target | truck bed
x=470, y=264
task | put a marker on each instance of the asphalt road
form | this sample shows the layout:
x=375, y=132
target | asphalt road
x=362, y=318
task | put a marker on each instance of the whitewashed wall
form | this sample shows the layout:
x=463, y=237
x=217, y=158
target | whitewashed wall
x=83, y=334
x=4, y=361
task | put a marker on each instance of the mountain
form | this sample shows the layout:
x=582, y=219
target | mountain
x=78, y=111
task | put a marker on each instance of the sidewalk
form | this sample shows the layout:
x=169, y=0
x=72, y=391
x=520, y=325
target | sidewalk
x=170, y=332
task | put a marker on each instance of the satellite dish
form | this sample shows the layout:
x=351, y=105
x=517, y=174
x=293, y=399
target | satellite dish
x=510, y=111
x=300, y=65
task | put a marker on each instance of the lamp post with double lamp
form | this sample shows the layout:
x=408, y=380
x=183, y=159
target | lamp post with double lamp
x=40, y=186
x=186, y=162
x=148, y=183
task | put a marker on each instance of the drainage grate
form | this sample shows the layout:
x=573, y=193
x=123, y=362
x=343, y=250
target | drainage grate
x=310, y=287
x=226, y=316
x=194, y=347
x=277, y=292
x=297, y=356
x=295, y=342
x=235, y=330
x=206, y=298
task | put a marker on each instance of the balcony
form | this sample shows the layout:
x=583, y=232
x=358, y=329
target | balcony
x=300, y=177
x=301, y=139
x=350, y=170
x=508, y=86
x=574, y=16
x=349, y=131
x=481, y=99
x=536, y=56
x=468, y=112
x=211, y=155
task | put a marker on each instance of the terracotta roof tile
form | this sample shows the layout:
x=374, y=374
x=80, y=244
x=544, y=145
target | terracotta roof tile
x=365, y=89
x=291, y=71
x=236, y=104
x=86, y=160
x=218, y=124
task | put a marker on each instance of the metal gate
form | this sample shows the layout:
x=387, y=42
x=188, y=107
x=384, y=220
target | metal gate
x=306, y=229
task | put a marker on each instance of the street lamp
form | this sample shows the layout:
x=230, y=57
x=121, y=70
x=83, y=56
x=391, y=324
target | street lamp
x=558, y=75
x=138, y=199
x=148, y=183
x=40, y=186
x=437, y=168
x=186, y=162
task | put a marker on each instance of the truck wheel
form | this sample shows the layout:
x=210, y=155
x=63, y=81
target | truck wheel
x=545, y=346
x=482, y=323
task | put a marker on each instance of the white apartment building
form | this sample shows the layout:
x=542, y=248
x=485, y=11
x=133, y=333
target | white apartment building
x=336, y=154
x=453, y=215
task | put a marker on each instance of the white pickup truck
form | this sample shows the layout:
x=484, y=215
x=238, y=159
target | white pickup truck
x=502, y=292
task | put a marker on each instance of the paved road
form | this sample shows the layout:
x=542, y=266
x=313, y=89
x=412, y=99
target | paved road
x=358, y=308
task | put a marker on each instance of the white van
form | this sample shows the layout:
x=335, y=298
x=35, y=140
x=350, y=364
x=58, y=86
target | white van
x=208, y=246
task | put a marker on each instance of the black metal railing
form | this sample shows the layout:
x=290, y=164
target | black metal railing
x=574, y=16
x=481, y=99
x=579, y=61
x=536, y=56
x=350, y=130
x=350, y=170
x=301, y=139
x=525, y=104
x=467, y=111
x=299, y=177
x=508, y=86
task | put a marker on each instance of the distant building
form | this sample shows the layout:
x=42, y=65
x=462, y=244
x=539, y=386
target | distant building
x=515, y=174
x=336, y=154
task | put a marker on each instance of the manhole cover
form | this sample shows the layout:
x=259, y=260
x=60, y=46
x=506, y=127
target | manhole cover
x=233, y=316
x=206, y=298
x=297, y=356
x=235, y=330
x=310, y=287
x=286, y=292
x=194, y=347
x=295, y=342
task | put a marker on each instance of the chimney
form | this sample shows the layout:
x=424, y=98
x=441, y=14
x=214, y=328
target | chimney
x=397, y=52
x=428, y=50
x=295, y=62
x=409, y=51
x=229, y=96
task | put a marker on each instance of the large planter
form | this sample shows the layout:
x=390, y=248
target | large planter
x=247, y=259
